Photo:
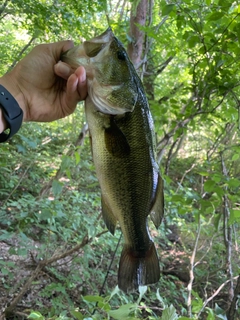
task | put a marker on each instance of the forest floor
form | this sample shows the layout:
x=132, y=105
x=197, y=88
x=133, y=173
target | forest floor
x=22, y=282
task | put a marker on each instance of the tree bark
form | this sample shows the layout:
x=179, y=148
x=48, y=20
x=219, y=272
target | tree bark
x=138, y=16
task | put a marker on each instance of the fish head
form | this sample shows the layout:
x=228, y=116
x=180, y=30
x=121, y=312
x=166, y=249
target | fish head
x=113, y=84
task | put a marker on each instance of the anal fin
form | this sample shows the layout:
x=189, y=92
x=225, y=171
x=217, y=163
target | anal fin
x=157, y=210
x=108, y=216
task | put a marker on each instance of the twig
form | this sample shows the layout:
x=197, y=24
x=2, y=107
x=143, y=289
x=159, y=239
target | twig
x=21, y=53
x=3, y=7
x=227, y=229
x=42, y=264
x=184, y=175
x=233, y=307
x=191, y=271
x=20, y=180
x=110, y=265
x=214, y=295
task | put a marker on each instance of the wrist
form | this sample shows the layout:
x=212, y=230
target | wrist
x=11, y=114
x=3, y=122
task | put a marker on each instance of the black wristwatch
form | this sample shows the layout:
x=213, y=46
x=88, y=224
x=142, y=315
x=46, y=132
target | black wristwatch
x=12, y=113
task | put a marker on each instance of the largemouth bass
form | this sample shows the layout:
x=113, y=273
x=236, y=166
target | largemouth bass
x=122, y=139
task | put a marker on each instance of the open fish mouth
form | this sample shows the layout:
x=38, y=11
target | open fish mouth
x=110, y=85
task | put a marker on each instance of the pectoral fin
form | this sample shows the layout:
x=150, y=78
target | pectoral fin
x=108, y=216
x=157, y=210
x=115, y=141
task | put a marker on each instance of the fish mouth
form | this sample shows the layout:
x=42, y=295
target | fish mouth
x=82, y=54
x=95, y=45
x=108, y=96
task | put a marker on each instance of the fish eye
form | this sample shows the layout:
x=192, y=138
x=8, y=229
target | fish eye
x=121, y=55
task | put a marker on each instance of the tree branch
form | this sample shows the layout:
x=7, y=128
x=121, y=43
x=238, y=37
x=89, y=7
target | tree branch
x=42, y=264
x=233, y=307
x=227, y=229
x=191, y=271
x=214, y=295
x=21, y=53
x=2, y=8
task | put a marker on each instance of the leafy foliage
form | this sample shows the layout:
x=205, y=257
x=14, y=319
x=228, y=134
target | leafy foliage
x=55, y=251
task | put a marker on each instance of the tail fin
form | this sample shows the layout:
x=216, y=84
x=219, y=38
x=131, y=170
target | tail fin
x=138, y=268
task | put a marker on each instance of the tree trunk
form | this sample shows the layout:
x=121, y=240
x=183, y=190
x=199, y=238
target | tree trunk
x=138, y=16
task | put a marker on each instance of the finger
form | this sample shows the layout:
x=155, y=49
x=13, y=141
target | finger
x=63, y=70
x=72, y=95
x=77, y=85
x=82, y=82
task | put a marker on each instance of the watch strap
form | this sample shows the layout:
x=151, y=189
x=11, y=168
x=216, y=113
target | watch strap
x=12, y=113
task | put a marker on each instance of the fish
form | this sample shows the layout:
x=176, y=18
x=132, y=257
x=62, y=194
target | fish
x=123, y=147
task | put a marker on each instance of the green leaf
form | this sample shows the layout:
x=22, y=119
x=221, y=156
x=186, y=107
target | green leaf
x=219, y=191
x=234, y=183
x=192, y=41
x=76, y=314
x=204, y=173
x=220, y=313
x=36, y=315
x=77, y=158
x=142, y=291
x=21, y=149
x=216, y=16
x=57, y=187
x=210, y=314
x=177, y=198
x=217, y=219
x=197, y=304
x=4, y=271
x=209, y=185
x=93, y=298
x=235, y=157
x=160, y=299
x=234, y=216
x=168, y=8
x=123, y=312
x=66, y=163
x=116, y=290
x=169, y=313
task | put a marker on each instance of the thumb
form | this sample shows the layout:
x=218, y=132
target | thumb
x=57, y=48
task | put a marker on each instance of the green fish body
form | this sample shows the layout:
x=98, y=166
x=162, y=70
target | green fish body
x=122, y=139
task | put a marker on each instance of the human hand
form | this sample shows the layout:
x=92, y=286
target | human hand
x=45, y=88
